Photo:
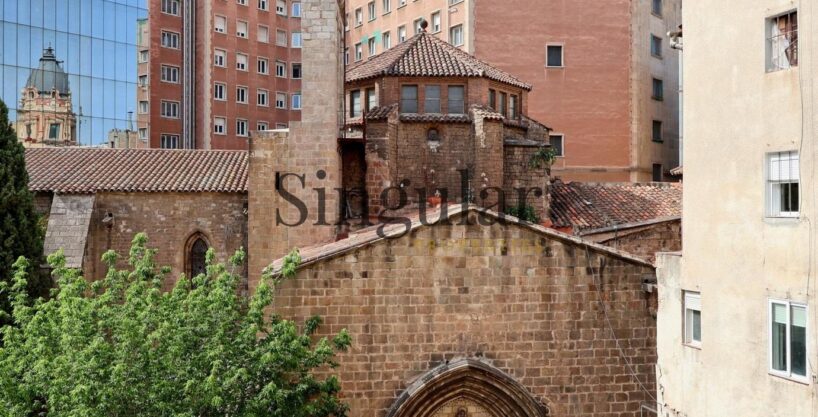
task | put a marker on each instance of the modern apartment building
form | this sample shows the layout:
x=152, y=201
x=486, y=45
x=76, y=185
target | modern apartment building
x=737, y=308
x=217, y=70
x=605, y=78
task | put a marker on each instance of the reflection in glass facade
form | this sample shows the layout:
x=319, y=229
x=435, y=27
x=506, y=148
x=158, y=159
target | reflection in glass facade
x=95, y=40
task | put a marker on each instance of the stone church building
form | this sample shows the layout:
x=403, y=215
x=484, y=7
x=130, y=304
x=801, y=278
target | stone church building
x=454, y=311
x=45, y=116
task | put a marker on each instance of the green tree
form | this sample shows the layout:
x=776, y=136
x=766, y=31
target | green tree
x=123, y=347
x=20, y=232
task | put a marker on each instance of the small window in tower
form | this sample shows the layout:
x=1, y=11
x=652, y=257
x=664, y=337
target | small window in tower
x=54, y=131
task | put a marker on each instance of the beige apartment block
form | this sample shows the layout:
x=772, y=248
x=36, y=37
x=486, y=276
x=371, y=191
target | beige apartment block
x=737, y=313
x=605, y=78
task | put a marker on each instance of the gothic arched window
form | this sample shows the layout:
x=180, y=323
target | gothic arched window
x=196, y=257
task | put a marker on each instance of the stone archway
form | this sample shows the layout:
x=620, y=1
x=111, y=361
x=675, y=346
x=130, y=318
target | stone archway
x=466, y=388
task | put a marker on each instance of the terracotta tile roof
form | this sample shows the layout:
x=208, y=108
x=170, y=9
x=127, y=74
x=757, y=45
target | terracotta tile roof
x=88, y=170
x=381, y=112
x=320, y=252
x=585, y=206
x=424, y=55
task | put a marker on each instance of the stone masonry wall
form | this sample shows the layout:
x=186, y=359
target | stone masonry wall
x=169, y=220
x=518, y=174
x=646, y=242
x=524, y=300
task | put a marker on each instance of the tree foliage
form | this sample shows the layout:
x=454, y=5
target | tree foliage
x=123, y=347
x=20, y=231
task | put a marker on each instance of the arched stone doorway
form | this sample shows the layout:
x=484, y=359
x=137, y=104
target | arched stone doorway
x=466, y=388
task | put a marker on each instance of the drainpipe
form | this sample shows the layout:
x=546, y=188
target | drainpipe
x=677, y=43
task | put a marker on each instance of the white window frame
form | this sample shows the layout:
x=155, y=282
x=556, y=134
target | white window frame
x=777, y=44
x=169, y=74
x=282, y=37
x=262, y=5
x=220, y=87
x=263, y=34
x=168, y=105
x=217, y=27
x=386, y=40
x=241, y=132
x=562, y=139
x=788, y=373
x=220, y=55
x=281, y=100
x=262, y=62
x=170, y=7
x=774, y=178
x=219, y=125
x=372, y=46
x=562, y=55
x=691, y=301
x=144, y=56
x=359, y=52
x=359, y=16
x=452, y=35
x=297, y=40
x=241, y=2
x=386, y=6
x=416, y=24
x=372, y=10
x=241, y=98
x=262, y=126
x=170, y=35
x=241, y=61
x=242, y=34
x=296, y=9
x=295, y=101
x=170, y=137
x=281, y=69
x=143, y=133
x=281, y=7
x=436, y=26
x=260, y=92
x=143, y=107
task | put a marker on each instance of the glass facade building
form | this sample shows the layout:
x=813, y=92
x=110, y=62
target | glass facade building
x=92, y=43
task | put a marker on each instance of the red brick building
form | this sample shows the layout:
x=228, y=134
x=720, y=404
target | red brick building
x=212, y=72
x=421, y=116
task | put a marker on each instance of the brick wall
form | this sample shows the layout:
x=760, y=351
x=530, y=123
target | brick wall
x=518, y=174
x=646, y=241
x=526, y=301
x=169, y=219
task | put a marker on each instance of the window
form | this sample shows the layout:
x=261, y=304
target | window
x=656, y=46
x=431, y=102
x=359, y=52
x=220, y=24
x=261, y=126
x=296, y=40
x=170, y=109
x=281, y=37
x=371, y=10
x=169, y=141
x=401, y=33
x=346, y=56
x=241, y=127
x=281, y=126
x=281, y=69
x=296, y=101
x=143, y=56
x=692, y=319
x=371, y=99
x=656, y=7
x=435, y=22
x=386, y=40
x=220, y=58
x=262, y=98
x=783, y=177
x=554, y=56
x=219, y=91
x=143, y=107
x=782, y=42
x=281, y=101
x=457, y=100
x=242, y=2
x=241, y=29
x=220, y=125
x=657, y=173
x=296, y=71
x=263, y=66
x=355, y=103
x=281, y=7
x=409, y=99
x=557, y=144
x=296, y=13
x=143, y=133
x=387, y=6
x=170, y=7
x=54, y=131
x=170, y=39
x=657, y=131
x=372, y=46
x=263, y=34
x=241, y=95
x=241, y=62
x=513, y=106
x=142, y=80
x=501, y=106
x=417, y=24
x=788, y=340
x=359, y=17
x=170, y=74
x=492, y=99
x=456, y=35
x=262, y=5
x=658, y=89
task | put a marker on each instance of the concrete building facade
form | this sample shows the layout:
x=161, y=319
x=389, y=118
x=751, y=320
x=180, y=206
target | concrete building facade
x=216, y=71
x=605, y=78
x=737, y=311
